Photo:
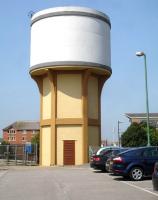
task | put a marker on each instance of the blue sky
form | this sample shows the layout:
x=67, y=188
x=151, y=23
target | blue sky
x=134, y=27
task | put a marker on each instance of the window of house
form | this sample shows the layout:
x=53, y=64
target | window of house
x=35, y=132
x=24, y=132
x=11, y=134
x=12, y=138
x=11, y=131
x=23, y=138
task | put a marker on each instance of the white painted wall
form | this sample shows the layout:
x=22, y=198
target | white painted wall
x=69, y=38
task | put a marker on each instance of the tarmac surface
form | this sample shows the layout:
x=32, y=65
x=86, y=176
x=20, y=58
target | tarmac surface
x=69, y=183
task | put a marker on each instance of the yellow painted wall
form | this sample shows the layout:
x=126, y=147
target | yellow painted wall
x=93, y=132
x=46, y=100
x=93, y=97
x=46, y=146
x=70, y=133
x=69, y=93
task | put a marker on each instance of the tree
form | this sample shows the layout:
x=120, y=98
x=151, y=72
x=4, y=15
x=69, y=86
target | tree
x=5, y=142
x=154, y=138
x=136, y=135
x=36, y=139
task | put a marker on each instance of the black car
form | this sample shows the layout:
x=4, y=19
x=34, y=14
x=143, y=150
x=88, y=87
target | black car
x=155, y=177
x=98, y=161
x=135, y=163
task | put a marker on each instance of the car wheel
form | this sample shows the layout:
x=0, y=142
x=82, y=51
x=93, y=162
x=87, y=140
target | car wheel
x=136, y=174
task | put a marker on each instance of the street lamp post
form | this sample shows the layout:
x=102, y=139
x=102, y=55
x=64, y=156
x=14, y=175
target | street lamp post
x=146, y=89
x=118, y=131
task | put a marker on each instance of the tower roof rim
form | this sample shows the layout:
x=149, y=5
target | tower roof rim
x=70, y=10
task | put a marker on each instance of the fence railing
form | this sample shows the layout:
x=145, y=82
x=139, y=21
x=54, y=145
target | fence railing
x=19, y=154
x=92, y=150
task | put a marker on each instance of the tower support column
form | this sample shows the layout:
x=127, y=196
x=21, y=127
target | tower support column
x=70, y=111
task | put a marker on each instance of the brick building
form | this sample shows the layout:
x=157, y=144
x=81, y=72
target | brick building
x=141, y=117
x=20, y=132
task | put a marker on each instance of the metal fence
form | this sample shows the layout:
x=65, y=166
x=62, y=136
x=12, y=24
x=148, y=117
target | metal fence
x=92, y=150
x=19, y=154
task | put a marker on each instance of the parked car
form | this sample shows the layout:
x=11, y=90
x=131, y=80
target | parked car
x=135, y=163
x=109, y=162
x=98, y=160
x=155, y=177
x=101, y=150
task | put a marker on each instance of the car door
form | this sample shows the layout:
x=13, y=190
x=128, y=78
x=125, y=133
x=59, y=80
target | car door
x=150, y=156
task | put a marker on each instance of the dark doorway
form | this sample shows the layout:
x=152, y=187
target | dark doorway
x=69, y=152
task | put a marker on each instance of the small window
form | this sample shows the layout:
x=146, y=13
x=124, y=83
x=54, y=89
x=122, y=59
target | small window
x=11, y=138
x=150, y=153
x=24, y=132
x=11, y=131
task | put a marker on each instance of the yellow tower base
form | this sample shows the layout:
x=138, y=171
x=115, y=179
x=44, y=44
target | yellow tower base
x=70, y=118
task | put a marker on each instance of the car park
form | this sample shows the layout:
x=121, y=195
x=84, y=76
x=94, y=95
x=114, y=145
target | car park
x=155, y=177
x=98, y=160
x=135, y=163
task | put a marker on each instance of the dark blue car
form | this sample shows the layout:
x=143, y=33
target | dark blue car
x=135, y=163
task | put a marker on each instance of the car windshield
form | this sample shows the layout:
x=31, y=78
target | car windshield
x=114, y=152
x=132, y=152
x=106, y=153
x=103, y=150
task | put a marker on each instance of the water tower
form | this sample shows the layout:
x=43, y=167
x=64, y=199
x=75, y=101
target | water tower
x=70, y=61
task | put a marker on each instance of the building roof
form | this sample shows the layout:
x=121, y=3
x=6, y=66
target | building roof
x=23, y=125
x=141, y=115
x=68, y=11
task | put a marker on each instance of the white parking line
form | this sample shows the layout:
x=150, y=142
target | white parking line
x=143, y=189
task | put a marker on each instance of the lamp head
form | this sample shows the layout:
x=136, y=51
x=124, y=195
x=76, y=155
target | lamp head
x=140, y=53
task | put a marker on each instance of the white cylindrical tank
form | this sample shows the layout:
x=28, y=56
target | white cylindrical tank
x=67, y=36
